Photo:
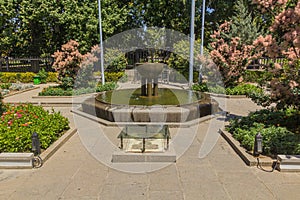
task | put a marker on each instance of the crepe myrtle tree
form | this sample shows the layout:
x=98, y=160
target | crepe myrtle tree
x=230, y=55
x=67, y=63
x=283, y=41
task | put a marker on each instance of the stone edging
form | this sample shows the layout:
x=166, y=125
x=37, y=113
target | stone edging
x=21, y=91
x=245, y=156
x=104, y=122
x=45, y=155
x=22, y=158
x=227, y=96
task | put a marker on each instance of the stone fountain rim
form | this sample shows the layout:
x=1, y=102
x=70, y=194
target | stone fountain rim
x=207, y=96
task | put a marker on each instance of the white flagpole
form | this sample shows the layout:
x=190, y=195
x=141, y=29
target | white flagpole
x=192, y=39
x=101, y=44
x=202, y=39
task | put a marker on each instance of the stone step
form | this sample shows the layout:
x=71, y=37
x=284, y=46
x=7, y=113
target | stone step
x=123, y=157
x=16, y=160
x=289, y=163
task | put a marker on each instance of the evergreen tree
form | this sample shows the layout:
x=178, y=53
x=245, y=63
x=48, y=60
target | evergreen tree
x=243, y=25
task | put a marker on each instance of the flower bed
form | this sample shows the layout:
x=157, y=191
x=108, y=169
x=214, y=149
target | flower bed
x=8, y=88
x=18, y=123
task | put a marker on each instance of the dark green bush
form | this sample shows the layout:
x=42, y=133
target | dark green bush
x=43, y=75
x=280, y=130
x=106, y=87
x=242, y=89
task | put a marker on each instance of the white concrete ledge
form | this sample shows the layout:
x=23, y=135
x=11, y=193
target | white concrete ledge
x=125, y=157
x=289, y=163
x=16, y=160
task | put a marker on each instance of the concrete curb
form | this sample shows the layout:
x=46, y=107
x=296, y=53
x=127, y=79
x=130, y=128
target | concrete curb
x=45, y=155
x=21, y=91
x=227, y=96
x=24, y=160
x=244, y=155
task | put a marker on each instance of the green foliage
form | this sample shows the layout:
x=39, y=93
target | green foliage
x=43, y=75
x=280, y=130
x=115, y=60
x=113, y=76
x=202, y=87
x=11, y=77
x=56, y=91
x=2, y=107
x=242, y=89
x=244, y=25
x=52, y=77
x=179, y=59
x=32, y=28
x=5, y=85
x=260, y=77
x=20, y=122
x=106, y=87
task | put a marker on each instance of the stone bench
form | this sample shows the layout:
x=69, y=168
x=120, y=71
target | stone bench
x=16, y=160
x=289, y=163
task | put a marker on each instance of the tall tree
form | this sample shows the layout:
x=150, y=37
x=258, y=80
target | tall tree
x=33, y=28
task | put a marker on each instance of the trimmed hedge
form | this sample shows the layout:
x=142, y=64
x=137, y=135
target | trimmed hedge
x=24, y=77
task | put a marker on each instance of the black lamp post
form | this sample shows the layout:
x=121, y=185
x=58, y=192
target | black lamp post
x=258, y=145
x=36, y=146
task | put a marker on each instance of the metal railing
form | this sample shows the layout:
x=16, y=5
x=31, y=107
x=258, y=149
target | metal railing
x=262, y=63
x=25, y=64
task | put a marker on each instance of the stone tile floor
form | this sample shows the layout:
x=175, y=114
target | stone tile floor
x=74, y=173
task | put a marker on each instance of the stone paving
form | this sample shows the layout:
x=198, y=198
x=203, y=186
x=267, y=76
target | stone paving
x=73, y=173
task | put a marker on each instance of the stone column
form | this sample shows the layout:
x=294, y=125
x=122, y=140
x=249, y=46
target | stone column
x=143, y=86
x=155, y=87
x=149, y=88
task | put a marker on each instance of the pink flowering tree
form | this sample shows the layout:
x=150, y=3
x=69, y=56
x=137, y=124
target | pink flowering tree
x=67, y=63
x=230, y=55
x=283, y=41
x=85, y=76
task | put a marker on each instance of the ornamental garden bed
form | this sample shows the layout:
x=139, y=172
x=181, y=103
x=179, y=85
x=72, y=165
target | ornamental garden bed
x=280, y=130
x=9, y=89
x=18, y=123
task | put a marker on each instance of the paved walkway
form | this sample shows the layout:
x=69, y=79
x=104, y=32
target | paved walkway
x=73, y=173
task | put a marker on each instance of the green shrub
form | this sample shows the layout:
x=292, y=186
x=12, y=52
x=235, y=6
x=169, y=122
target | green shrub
x=43, y=75
x=5, y=85
x=243, y=89
x=280, y=130
x=2, y=107
x=257, y=76
x=200, y=87
x=20, y=122
x=59, y=91
x=11, y=77
x=115, y=60
x=113, y=76
x=27, y=77
x=52, y=77
x=56, y=91
x=106, y=87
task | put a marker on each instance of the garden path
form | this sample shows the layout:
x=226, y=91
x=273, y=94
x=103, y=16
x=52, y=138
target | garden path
x=73, y=173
